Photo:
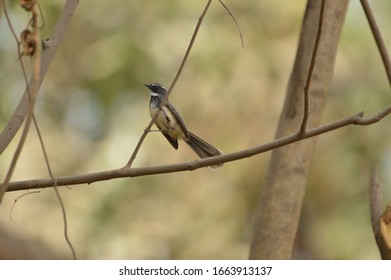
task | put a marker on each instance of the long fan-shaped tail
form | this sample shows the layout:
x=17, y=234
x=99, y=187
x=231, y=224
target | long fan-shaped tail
x=202, y=148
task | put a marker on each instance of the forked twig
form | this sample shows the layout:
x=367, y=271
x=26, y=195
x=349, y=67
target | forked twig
x=311, y=71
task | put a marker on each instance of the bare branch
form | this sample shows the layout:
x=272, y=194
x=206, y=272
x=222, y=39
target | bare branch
x=234, y=19
x=378, y=38
x=356, y=119
x=147, y=129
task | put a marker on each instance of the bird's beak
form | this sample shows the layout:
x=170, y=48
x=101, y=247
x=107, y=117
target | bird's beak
x=148, y=86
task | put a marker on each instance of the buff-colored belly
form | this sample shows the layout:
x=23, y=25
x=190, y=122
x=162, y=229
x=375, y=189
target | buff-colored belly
x=167, y=123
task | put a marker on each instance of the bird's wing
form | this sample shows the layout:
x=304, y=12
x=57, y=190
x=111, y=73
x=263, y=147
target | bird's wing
x=172, y=141
x=178, y=119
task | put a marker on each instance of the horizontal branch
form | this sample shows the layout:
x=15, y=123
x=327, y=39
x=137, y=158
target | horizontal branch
x=356, y=119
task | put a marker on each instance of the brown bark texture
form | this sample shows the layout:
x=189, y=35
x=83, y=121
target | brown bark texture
x=284, y=188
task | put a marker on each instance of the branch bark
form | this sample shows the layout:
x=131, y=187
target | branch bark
x=356, y=119
x=283, y=191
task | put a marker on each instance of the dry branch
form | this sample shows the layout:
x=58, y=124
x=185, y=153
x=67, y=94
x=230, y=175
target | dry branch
x=356, y=119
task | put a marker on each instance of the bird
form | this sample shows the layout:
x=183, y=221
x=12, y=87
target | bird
x=172, y=126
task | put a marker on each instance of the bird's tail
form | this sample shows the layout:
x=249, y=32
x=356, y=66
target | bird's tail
x=202, y=148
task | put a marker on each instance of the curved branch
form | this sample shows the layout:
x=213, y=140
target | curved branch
x=356, y=119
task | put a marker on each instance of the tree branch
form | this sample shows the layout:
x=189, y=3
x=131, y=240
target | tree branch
x=356, y=119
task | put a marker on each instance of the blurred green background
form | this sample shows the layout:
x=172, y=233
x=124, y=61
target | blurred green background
x=93, y=108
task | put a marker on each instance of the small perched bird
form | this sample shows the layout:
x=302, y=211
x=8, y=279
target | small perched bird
x=171, y=124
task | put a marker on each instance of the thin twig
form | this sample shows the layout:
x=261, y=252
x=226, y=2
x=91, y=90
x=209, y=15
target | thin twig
x=16, y=201
x=311, y=71
x=356, y=119
x=378, y=38
x=28, y=88
x=57, y=192
x=234, y=19
x=33, y=92
x=147, y=129
x=64, y=217
x=32, y=117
